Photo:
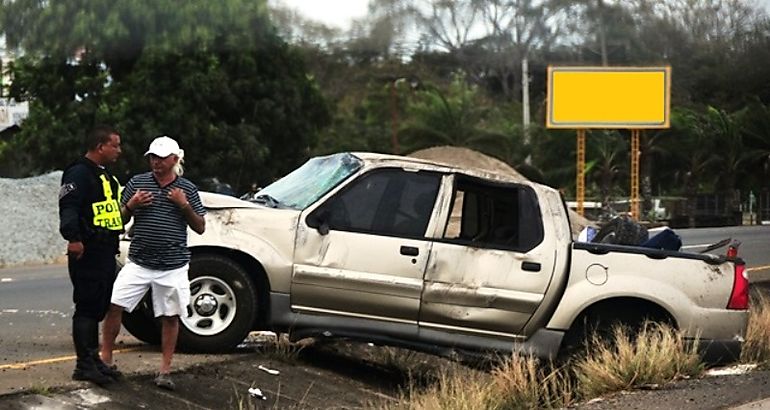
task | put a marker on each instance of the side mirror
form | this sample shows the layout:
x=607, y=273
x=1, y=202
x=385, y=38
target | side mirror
x=319, y=219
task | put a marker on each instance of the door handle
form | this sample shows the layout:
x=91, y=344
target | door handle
x=530, y=266
x=409, y=251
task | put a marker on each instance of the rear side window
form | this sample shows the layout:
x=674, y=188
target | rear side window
x=390, y=202
x=494, y=216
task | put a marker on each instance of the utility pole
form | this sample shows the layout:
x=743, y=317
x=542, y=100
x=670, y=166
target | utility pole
x=525, y=105
x=394, y=118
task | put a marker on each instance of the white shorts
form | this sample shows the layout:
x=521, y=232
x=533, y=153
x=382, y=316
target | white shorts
x=170, y=289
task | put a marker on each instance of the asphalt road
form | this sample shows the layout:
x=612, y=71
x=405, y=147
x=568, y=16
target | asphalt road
x=35, y=310
x=754, y=248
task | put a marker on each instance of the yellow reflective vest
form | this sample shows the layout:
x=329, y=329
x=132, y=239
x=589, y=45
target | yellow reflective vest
x=107, y=212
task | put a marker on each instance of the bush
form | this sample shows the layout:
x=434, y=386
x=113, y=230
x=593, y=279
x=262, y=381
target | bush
x=657, y=354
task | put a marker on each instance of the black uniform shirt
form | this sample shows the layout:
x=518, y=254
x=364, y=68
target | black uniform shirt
x=81, y=186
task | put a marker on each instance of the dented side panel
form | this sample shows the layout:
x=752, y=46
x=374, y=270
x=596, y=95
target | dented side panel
x=483, y=290
x=264, y=234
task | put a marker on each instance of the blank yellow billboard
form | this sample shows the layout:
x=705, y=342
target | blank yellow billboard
x=608, y=97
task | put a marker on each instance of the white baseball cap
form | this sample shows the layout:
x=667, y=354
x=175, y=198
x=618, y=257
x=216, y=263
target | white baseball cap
x=163, y=147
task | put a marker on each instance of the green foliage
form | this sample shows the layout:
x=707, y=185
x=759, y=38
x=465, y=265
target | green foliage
x=216, y=76
x=460, y=116
x=211, y=74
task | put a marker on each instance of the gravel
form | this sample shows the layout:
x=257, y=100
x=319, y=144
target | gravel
x=29, y=231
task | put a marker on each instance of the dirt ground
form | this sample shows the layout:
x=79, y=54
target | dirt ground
x=338, y=375
x=342, y=375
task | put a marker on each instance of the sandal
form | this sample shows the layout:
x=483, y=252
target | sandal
x=163, y=380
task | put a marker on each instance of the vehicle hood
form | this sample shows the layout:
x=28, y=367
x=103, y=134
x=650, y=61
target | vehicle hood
x=218, y=201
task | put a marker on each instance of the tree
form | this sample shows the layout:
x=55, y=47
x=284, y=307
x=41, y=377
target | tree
x=212, y=74
x=514, y=30
x=454, y=117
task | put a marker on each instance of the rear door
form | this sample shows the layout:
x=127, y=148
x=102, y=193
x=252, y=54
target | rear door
x=363, y=252
x=490, y=265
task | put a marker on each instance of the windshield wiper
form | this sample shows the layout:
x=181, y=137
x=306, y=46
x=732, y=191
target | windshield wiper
x=267, y=200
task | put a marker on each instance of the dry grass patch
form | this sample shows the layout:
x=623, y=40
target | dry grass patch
x=517, y=383
x=756, y=348
x=523, y=383
x=655, y=355
x=456, y=388
x=648, y=357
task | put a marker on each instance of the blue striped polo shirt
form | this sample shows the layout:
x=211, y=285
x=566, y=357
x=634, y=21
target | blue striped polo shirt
x=159, y=240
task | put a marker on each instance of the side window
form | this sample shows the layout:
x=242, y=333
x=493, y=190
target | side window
x=494, y=216
x=387, y=202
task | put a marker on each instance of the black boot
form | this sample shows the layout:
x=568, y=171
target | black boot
x=93, y=347
x=83, y=329
x=107, y=370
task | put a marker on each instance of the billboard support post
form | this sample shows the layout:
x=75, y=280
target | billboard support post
x=580, y=181
x=635, y=154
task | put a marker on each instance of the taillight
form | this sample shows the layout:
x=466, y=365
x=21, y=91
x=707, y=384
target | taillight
x=739, y=298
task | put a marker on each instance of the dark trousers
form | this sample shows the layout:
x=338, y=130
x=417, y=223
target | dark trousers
x=92, y=278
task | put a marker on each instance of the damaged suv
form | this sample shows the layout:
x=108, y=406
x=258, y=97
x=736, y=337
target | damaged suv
x=414, y=253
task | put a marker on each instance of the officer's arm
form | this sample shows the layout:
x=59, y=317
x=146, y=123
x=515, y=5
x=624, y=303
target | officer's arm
x=72, y=195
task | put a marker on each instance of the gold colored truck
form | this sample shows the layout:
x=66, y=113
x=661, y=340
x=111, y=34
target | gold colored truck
x=408, y=252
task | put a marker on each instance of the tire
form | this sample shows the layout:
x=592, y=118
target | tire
x=141, y=323
x=622, y=231
x=223, y=305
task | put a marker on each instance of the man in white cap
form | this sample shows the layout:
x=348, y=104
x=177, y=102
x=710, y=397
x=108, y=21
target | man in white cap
x=163, y=205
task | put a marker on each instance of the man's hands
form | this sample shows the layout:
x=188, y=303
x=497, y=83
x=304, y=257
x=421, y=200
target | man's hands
x=75, y=249
x=139, y=200
x=178, y=197
x=144, y=198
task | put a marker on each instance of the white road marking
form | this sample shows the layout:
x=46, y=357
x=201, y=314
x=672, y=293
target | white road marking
x=6, y=280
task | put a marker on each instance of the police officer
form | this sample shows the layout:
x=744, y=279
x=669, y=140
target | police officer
x=90, y=221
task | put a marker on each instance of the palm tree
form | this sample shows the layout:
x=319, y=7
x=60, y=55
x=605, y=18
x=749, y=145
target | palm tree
x=455, y=117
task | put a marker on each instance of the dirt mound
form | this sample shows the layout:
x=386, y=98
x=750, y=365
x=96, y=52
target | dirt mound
x=464, y=157
x=468, y=158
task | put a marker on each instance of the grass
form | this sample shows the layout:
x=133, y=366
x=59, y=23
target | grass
x=41, y=388
x=653, y=356
x=455, y=388
x=281, y=348
x=756, y=348
x=525, y=383
x=656, y=355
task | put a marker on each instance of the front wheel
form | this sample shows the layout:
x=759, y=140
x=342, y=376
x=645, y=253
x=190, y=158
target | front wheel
x=223, y=305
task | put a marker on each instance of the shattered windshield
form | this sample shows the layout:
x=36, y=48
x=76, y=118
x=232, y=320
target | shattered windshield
x=306, y=184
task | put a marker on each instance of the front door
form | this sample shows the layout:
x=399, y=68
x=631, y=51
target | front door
x=363, y=252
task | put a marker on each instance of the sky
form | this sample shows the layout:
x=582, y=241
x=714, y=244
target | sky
x=337, y=13
x=340, y=13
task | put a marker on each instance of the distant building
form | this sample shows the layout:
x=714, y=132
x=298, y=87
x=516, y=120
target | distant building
x=12, y=112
